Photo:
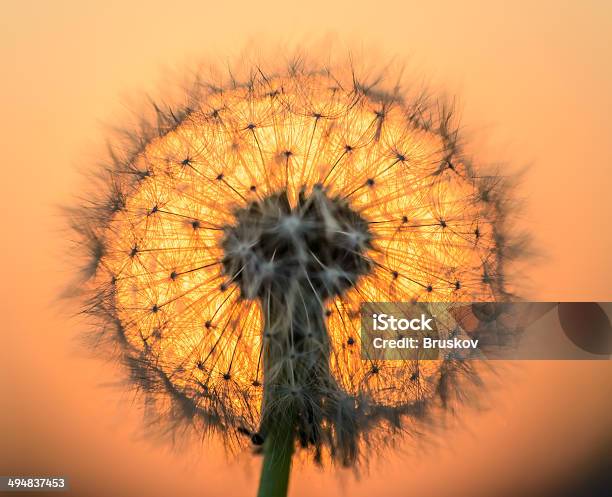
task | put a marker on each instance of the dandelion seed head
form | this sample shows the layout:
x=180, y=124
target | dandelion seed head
x=244, y=234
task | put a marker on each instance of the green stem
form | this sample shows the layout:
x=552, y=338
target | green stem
x=278, y=449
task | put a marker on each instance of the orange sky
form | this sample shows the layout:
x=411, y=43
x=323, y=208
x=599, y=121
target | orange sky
x=533, y=86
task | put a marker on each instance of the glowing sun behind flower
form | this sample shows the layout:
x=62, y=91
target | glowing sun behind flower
x=237, y=243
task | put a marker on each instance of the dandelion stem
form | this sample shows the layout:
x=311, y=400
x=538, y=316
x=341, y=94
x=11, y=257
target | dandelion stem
x=278, y=450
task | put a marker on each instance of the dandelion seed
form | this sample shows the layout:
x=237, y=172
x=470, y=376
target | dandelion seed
x=247, y=230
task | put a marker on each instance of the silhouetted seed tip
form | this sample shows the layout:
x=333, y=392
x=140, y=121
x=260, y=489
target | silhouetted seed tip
x=257, y=439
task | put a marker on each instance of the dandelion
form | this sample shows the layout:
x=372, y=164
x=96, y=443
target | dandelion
x=238, y=234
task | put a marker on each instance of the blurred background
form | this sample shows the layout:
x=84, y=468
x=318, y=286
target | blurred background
x=533, y=83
